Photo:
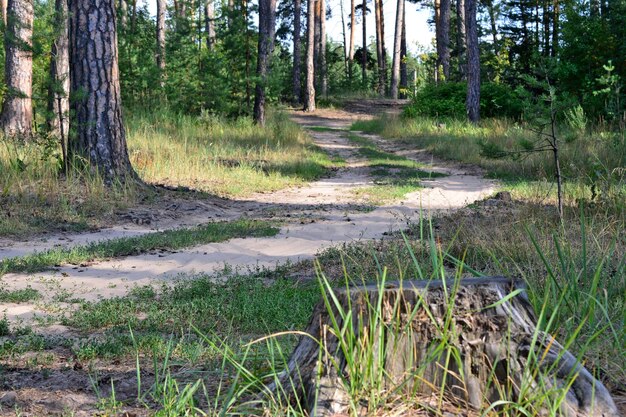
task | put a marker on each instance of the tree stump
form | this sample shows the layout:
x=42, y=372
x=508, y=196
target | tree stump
x=473, y=342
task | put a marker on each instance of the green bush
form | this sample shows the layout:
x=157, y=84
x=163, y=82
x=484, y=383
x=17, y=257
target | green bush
x=448, y=100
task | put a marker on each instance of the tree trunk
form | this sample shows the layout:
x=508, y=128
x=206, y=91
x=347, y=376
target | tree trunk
x=209, y=24
x=438, y=345
x=397, y=50
x=318, y=44
x=555, y=26
x=17, y=110
x=123, y=13
x=472, y=104
x=160, y=37
x=297, y=30
x=460, y=37
x=98, y=133
x=404, y=76
x=345, y=39
x=546, y=28
x=382, y=45
x=443, y=41
x=379, y=47
x=3, y=12
x=267, y=28
x=494, y=28
x=364, y=54
x=323, y=69
x=309, y=91
x=59, y=91
x=352, y=26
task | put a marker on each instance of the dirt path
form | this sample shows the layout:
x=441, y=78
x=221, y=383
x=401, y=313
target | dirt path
x=321, y=214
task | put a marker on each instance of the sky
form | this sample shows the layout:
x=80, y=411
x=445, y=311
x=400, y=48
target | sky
x=418, y=32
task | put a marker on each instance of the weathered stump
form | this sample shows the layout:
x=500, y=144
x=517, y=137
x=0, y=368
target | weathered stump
x=474, y=342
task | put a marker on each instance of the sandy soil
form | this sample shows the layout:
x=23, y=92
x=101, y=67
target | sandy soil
x=316, y=216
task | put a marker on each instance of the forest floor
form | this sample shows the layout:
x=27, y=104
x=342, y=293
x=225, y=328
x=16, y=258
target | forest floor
x=321, y=214
x=64, y=352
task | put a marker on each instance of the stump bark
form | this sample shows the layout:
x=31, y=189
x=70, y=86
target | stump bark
x=474, y=342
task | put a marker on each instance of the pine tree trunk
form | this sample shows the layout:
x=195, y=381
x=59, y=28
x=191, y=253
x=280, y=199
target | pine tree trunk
x=3, y=12
x=17, y=110
x=323, y=69
x=397, y=50
x=364, y=50
x=59, y=90
x=546, y=28
x=379, y=47
x=382, y=45
x=468, y=346
x=98, y=132
x=351, y=50
x=345, y=40
x=404, y=76
x=297, y=31
x=123, y=8
x=318, y=45
x=472, y=104
x=267, y=28
x=443, y=40
x=460, y=37
x=209, y=24
x=555, y=26
x=160, y=38
x=309, y=91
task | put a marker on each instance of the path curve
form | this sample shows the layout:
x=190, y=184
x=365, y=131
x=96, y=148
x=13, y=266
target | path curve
x=323, y=213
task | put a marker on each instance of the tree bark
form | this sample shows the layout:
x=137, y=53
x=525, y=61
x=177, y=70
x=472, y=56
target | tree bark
x=318, y=44
x=378, y=17
x=351, y=50
x=59, y=91
x=472, y=104
x=397, y=50
x=160, y=38
x=323, y=69
x=309, y=91
x=364, y=50
x=297, y=31
x=123, y=13
x=345, y=39
x=460, y=37
x=209, y=23
x=3, y=12
x=472, y=345
x=443, y=40
x=556, y=16
x=404, y=76
x=546, y=27
x=17, y=110
x=267, y=28
x=98, y=133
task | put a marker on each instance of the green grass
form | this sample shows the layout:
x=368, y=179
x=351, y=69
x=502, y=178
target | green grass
x=591, y=158
x=19, y=296
x=166, y=240
x=325, y=129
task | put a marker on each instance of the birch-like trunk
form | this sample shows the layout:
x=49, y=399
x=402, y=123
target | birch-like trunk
x=309, y=91
x=267, y=25
x=98, y=128
x=17, y=110
x=160, y=38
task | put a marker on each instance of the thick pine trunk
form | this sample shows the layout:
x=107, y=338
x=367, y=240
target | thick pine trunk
x=309, y=91
x=472, y=104
x=17, y=110
x=468, y=345
x=443, y=41
x=397, y=50
x=98, y=129
x=267, y=25
x=160, y=38
x=297, y=51
x=59, y=90
x=209, y=24
x=378, y=17
x=460, y=37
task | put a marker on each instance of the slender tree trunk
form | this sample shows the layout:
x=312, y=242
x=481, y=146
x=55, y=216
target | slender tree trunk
x=351, y=51
x=345, y=39
x=472, y=104
x=17, y=109
x=309, y=91
x=318, y=45
x=323, y=68
x=209, y=24
x=297, y=30
x=494, y=28
x=404, y=76
x=98, y=129
x=379, y=47
x=397, y=50
x=267, y=25
x=460, y=36
x=546, y=28
x=3, y=12
x=382, y=45
x=133, y=18
x=123, y=13
x=160, y=36
x=443, y=40
x=244, y=7
x=437, y=6
x=555, y=26
x=364, y=54
x=59, y=90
